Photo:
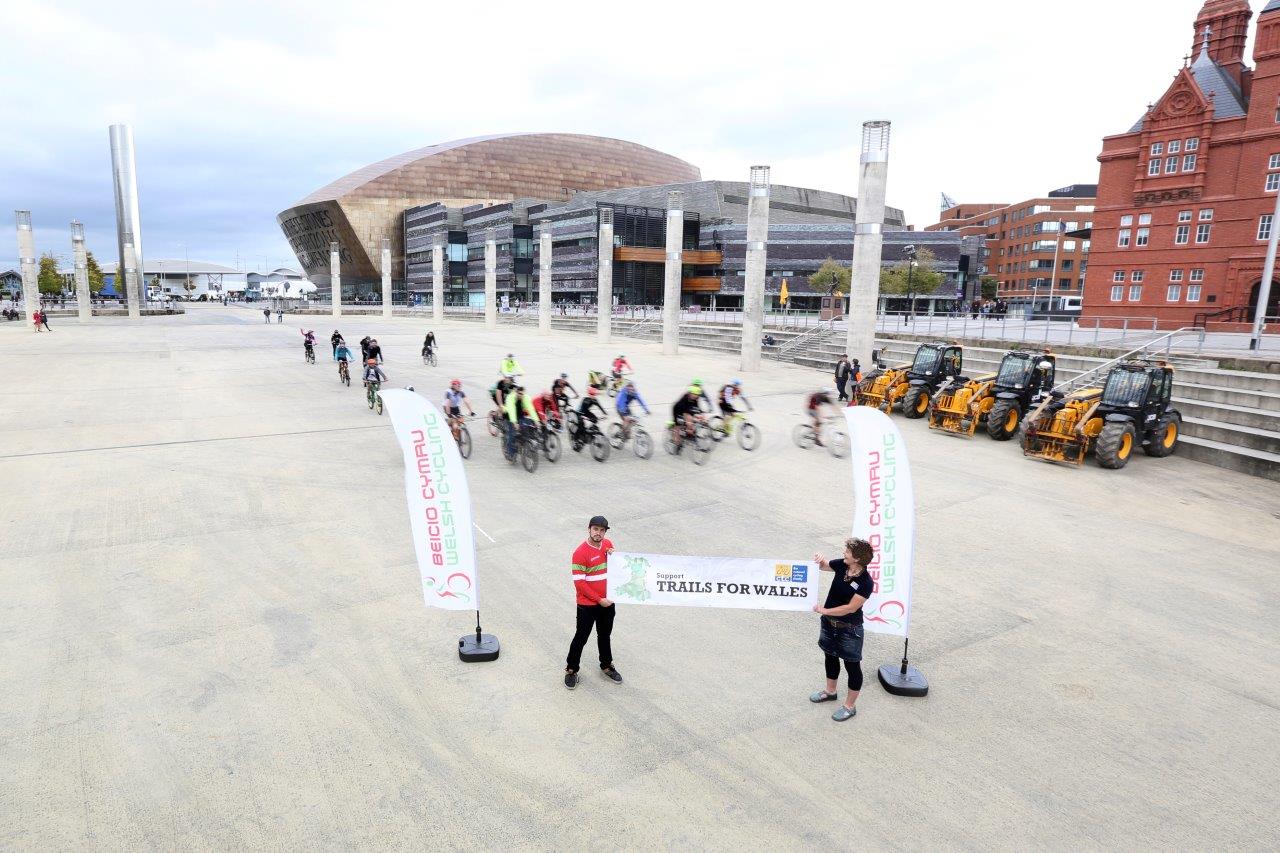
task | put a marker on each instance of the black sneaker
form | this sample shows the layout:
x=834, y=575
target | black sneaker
x=570, y=679
x=612, y=674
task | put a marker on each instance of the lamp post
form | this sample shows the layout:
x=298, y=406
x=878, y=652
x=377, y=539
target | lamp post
x=909, y=252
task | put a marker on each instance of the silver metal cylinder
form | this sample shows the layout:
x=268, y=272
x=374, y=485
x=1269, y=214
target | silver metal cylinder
x=756, y=263
x=335, y=279
x=80, y=258
x=604, y=276
x=124, y=172
x=544, y=279
x=490, y=279
x=672, y=274
x=437, y=281
x=868, y=241
x=386, y=276
x=27, y=264
x=132, y=284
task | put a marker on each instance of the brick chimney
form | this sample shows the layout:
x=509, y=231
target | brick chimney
x=1228, y=23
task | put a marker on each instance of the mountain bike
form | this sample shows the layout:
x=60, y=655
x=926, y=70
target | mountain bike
x=699, y=444
x=429, y=357
x=835, y=440
x=527, y=446
x=551, y=447
x=747, y=432
x=344, y=374
x=461, y=435
x=309, y=353
x=371, y=394
x=590, y=436
x=621, y=432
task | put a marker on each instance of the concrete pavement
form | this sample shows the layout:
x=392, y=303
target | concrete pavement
x=212, y=633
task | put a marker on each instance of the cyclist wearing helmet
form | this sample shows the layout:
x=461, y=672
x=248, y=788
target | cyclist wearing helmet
x=429, y=343
x=308, y=342
x=729, y=395
x=813, y=406
x=520, y=413
x=685, y=414
x=626, y=397
x=587, y=415
x=619, y=365
x=454, y=399
x=335, y=339
x=375, y=351
x=510, y=368
x=546, y=407
x=373, y=373
x=559, y=387
x=704, y=402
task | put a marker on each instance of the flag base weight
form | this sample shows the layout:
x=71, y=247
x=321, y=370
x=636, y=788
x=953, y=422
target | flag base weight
x=903, y=682
x=478, y=648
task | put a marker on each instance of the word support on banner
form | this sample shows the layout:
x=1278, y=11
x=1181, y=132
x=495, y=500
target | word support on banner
x=884, y=511
x=743, y=583
x=435, y=485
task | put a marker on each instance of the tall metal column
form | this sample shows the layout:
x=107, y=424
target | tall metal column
x=544, y=279
x=604, y=295
x=386, y=276
x=868, y=240
x=124, y=171
x=671, y=282
x=490, y=280
x=757, y=261
x=27, y=263
x=132, y=287
x=335, y=280
x=80, y=258
x=437, y=282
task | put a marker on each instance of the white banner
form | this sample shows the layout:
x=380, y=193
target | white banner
x=884, y=514
x=435, y=485
x=712, y=582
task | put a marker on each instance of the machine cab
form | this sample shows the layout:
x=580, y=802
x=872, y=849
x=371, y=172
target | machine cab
x=1025, y=372
x=935, y=362
x=1138, y=387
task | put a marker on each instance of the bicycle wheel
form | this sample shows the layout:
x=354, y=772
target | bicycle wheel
x=378, y=408
x=599, y=447
x=529, y=454
x=571, y=421
x=802, y=435
x=748, y=436
x=717, y=427
x=368, y=396
x=838, y=443
x=551, y=447
x=700, y=450
x=431, y=359
x=642, y=443
x=464, y=442
x=616, y=439
x=492, y=426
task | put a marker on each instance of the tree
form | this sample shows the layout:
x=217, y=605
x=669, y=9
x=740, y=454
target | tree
x=902, y=280
x=832, y=275
x=49, y=280
x=97, y=280
x=989, y=287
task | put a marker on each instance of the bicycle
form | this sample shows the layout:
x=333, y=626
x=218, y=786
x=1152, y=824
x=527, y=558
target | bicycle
x=620, y=432
x=309, y=353
x=588, y=434
x=617, y=383
x=429, y=357
x=526, y=448
x=837, y=443
x=371, y=394
x=748, y=433
x=461, y=435
x=550, y=444
x=700, y=441
x=344, y=374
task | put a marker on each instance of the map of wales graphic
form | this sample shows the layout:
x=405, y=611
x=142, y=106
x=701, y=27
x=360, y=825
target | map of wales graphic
x=634, y=589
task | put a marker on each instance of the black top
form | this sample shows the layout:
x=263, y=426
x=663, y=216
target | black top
x=842, y=591
x=685, y=406
x=374, y=351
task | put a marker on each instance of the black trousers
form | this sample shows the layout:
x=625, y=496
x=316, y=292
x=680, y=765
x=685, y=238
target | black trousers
x=589, y=616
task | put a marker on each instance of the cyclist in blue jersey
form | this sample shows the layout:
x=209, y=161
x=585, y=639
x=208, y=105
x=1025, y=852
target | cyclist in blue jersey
x=626, y=397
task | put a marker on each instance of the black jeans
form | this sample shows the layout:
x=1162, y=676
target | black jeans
x=601, y=618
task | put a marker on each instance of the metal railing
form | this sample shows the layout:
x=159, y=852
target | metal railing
x=1138, y=352
x=802, y=340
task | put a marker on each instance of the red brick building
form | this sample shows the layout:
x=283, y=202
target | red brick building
x=1186, y=196
x=1027, y=249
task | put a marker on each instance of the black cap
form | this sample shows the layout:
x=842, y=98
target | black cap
x=598, y=521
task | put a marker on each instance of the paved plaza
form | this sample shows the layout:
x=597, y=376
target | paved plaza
x=212, y=633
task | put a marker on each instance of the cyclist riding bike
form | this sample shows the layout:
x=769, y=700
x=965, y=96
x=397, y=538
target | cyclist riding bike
x=729, y=396
x=620, y=364
x=454, y=399
x=559, y=387
x=375, y=351
x=364, y=348
x=546, y=406
x=342, y=355
x=429, y=343
x=309, y=343
x=626, y=397
x=704, y=402
x=498, y=392
x=686, y=414
x=510, y=368
x=334, y=340
x=373, y=373
x=587, y=417
x=520, y=414
x=813, y=406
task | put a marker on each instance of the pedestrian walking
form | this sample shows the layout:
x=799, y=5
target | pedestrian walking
x=279, y=315
x=266, y=314
x=44, y=320
x=36, y=319
x=842, y=376
x=590, y=562
x=841, y=633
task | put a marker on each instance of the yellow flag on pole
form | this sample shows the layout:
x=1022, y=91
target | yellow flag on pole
x=784, y=297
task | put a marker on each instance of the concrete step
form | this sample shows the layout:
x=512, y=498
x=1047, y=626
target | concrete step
x=1253, y=438
x=1257, y=463
x=1227, y=414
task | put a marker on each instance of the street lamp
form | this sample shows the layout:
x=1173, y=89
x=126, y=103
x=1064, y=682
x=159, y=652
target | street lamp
x=909, y=252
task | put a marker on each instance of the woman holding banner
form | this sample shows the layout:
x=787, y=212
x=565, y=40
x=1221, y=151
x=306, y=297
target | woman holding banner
x=841, y=634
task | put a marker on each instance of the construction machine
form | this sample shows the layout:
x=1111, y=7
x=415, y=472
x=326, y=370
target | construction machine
x=911, y=385
x=999, y=400
x=1131, y=409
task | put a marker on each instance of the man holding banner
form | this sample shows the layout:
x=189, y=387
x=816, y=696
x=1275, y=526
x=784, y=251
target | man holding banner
x=841, y=634
x=590, y=571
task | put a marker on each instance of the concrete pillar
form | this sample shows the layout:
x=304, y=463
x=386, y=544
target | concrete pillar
x=335, y=280
x=386, y=276
x=27, y=265
x=132, y=286
x=124, y=171
x=437, y=282
x=757, y=260
x=544, y=280
x=868, y=240
x=604, y=294
x=81, y=260
x=490, y=280
x=671, y=283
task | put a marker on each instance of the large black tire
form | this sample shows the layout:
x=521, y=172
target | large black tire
x=571, y=421
x=551, y=447
x=1165, y=440
x=1004, y=420
x=1115, y=444
x=915, y=403
x=529, y=455
x=599, y=447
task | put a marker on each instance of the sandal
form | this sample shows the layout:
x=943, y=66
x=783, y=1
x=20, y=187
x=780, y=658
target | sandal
x=842, y=713
x=822, y=696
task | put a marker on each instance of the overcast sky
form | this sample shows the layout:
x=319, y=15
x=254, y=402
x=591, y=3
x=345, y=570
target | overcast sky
x=241, y=108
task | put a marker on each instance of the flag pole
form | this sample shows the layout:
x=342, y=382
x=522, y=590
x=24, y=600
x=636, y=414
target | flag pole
x=905, y=680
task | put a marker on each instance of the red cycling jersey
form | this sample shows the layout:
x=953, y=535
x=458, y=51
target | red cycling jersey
x=545, y=405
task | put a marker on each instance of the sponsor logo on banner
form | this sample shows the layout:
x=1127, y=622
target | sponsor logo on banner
x=884, y=515
x=439, y=501
x=711, y=582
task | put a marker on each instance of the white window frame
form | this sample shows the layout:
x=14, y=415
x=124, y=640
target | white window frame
x=1123, y=238
x=1175, y=146
x=1138, y=276
x=1153, y=167
x=1184, y=216
x=1188, y=162
x=1197, y=275
x=1273, y=182
x=1173, y=293
x=1193, y=292
x=1135, y=293
x=1182, y=235
x=1126, y=220
x=1142, y=237
x=1264, y=226
x=1171, y=165
x=1206, y=214
x=1117, y=293
x=1118, y=276
x=1144, y=219
x=1274, y=162
x=1193, y=144
x=1157, y=148
x=1204, y=231
x=1176, y=276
